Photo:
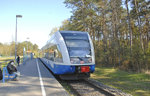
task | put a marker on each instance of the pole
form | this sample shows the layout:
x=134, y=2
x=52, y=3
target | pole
x=16, y=40
x=17, y=16
x=27, y=44
x=27, y=47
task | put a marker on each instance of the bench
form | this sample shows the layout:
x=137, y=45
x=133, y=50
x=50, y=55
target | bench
x=6, y=75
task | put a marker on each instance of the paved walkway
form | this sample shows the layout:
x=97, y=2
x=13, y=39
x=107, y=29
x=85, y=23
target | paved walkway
x=35, y=80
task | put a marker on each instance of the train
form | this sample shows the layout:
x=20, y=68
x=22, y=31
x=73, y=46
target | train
x=69, y=55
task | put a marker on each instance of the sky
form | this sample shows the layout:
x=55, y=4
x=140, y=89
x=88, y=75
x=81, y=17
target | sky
x=38, y=19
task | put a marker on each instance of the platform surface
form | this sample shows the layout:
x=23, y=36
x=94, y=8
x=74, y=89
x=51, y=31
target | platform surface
x=34, y=80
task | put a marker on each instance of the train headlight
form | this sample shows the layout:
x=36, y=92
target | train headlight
x=74, y=60
x=89, y=60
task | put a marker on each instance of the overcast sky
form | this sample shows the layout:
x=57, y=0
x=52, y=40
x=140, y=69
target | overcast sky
x=39, y=17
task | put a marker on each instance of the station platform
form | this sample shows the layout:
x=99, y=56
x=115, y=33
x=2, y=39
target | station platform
x=34, y=80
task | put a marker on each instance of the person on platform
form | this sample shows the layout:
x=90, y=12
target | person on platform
x=1, y=74
x=12, y=69
x=18, y=59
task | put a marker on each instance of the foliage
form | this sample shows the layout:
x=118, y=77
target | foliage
x=9, y=49
x=133, y=83
x=53, y=31
x=119, y=30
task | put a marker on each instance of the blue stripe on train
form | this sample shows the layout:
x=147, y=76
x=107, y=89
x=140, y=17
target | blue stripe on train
x=65, y=69
x=61, y=69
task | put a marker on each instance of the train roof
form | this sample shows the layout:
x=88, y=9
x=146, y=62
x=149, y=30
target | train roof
x=68, y=32
x=72, y=32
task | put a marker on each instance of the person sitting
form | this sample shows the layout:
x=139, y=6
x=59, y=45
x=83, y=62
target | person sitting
x=12, y=69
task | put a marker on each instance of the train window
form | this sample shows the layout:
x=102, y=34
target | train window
x=54, y=54
x=51, y=54
x=57, y=55
x=77, y=43
x=75, y=36
x=79, y=53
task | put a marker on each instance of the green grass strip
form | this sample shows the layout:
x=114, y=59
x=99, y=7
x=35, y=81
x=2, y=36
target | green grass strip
x=132, y=83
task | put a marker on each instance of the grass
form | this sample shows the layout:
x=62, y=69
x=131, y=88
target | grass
x=6, y=58
x=3, y=59
x=132, y=83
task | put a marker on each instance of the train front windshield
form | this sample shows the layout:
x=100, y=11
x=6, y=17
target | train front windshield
x=78, y=47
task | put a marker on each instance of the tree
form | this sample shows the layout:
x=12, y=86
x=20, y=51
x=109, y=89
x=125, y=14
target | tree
x=116, y=30
x=9, y=49
x=53, y=31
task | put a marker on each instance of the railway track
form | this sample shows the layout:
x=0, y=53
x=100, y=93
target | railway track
x=85, y=88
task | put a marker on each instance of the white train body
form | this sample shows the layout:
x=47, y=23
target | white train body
x=69, y=53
